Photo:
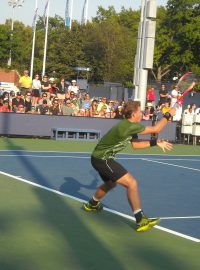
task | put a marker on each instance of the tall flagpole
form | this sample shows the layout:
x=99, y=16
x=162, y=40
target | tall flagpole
x=72, y=2
x=45, y=42
x=86, y=12
x=34, y=31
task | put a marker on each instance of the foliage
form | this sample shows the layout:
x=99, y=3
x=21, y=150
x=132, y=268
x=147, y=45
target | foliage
x=108, y=44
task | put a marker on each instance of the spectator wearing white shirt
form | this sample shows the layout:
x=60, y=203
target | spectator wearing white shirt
x=174, y=96
x=36, y=86
x=73, y=87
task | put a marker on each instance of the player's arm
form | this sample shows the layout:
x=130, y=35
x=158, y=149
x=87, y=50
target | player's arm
x=164, y=145
x=160, y=124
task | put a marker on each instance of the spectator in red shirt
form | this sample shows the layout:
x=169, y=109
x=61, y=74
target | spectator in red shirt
x=151, y=95
x=5, y=107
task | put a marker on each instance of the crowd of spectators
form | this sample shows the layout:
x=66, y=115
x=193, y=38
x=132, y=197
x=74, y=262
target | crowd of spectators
x=166, y=100
x=50, y=97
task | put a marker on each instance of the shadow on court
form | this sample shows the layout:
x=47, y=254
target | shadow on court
x=73, y=187
x=84, y=246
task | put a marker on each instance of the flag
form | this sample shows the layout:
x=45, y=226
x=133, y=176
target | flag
x=67, y=22
x=45, y=11
x=34, y=20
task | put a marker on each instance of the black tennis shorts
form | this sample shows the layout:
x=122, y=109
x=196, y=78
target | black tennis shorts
x=108, y=169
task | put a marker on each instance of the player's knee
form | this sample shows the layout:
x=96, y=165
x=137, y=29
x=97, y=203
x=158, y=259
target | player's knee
x=110, y=185
x=133, y=184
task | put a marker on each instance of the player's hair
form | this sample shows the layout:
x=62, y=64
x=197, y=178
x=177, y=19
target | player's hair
x=130, y=108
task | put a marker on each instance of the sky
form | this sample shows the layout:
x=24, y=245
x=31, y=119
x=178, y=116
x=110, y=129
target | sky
x=25, y=14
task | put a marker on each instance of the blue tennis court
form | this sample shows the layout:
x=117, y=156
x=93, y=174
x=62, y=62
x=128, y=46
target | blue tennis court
x=169, y=185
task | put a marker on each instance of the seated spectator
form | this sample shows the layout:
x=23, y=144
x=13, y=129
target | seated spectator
x=43, y=108
x=102, y=112
x=119, y=112
x=20, y=109
x=165, y=108
x=67, y=108
x=54, y=109
x=1, y=100
x=75, y=106
x=93, y=109
x=18, y=100
x=5, y=106
x=28, y=103
x=86, y=102
x=44, y=97
x=102, y=104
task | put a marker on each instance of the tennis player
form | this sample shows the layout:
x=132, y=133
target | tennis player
x=113, y=173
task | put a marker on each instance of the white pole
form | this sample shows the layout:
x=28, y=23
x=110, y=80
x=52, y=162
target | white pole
x=11, y=37
x=33, y=44
x=45, y=42
x=86, y=12
x=71, y=12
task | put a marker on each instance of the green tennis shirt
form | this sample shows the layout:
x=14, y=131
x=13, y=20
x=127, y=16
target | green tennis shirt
x=116, y=139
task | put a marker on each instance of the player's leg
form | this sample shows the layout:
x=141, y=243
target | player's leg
x=142, y=222
x=94, y=204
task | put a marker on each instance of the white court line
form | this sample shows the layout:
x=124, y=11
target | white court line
x=106, y=209
x=173, y=218
x=169, y=164
x=82, y=157
x=127, y=154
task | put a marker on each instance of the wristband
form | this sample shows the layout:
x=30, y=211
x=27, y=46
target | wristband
x=153, y=142
x=167, y=115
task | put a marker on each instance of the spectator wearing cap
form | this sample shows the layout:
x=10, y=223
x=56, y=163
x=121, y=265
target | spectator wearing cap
x=5, y=107
x=73, y=87
x=119, y=112
x=62, y=90
x=25, y=83
x=43, y=108
x=18, y=100
x=36, y=92
x=45, y=86
x=67, y=108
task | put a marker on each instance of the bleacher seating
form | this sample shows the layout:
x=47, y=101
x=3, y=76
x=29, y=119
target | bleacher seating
x=75, y=134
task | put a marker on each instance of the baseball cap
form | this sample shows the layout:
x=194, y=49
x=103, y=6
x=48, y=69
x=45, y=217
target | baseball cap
x=73, y=80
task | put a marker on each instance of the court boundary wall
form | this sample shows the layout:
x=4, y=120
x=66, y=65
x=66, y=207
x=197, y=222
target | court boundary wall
x=12, y=124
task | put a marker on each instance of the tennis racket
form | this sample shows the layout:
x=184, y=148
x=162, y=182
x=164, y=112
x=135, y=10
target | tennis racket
x=185, y=84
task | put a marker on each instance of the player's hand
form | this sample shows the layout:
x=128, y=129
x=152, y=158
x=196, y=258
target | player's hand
x=164, y=145
x=172, y=111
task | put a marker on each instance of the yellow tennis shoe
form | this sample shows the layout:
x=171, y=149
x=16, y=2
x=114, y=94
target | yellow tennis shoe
x=146, y=224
